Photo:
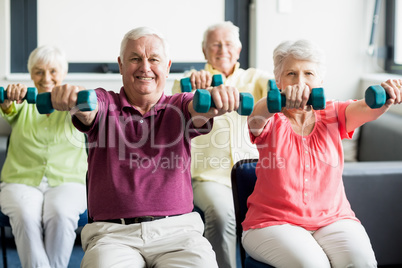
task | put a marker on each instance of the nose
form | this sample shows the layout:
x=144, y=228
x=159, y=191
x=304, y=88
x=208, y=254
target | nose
x=145, y=66
x=46, y=76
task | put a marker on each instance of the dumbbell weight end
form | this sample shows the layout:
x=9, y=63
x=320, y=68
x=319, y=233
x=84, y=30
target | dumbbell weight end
x=375, y=96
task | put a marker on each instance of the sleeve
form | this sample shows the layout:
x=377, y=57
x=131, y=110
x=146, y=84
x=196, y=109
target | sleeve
x=261, y=86
x=193, y=131
x=260, y=139
x=341, y=108
x=11, y=113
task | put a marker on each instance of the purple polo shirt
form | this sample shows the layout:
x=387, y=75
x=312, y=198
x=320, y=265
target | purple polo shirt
x=139, y=165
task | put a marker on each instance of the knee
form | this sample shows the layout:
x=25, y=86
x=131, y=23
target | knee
x=220, y=218
x=356, y=259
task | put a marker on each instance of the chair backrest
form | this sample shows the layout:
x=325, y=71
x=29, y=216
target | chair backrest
x=243, y=180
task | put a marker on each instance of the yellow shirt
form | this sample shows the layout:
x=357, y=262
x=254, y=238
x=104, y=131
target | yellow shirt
x=43, y=145
x=214, y=154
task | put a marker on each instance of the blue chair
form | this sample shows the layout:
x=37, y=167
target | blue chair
x=243, y=180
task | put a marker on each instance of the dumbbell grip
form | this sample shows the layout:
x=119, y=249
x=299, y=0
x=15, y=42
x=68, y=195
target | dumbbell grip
x=185, y=83
x=316, y=99
x=283, y=100
x=86, y=101
x=30, y=96
x=203, y=101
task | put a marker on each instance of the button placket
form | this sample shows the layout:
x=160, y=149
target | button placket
x=306, y=170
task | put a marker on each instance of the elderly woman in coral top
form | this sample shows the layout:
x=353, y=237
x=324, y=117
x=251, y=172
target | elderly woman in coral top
x=298, y=214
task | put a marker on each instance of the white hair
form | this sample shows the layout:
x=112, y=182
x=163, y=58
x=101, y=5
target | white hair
x=139, y=32
x=47, y=54
x=234, y=31
x=300, y=50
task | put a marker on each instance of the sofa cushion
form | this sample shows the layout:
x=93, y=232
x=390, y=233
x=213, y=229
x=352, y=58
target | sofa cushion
x=381, y=139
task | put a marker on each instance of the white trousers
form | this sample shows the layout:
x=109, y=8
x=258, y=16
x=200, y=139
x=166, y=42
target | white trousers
x=344, y=243
x=171, y=242
x=43, y=221
x=216, y=201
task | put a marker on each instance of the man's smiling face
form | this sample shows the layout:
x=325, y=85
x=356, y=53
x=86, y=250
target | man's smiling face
x=144, y=66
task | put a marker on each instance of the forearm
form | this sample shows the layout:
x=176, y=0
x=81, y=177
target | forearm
x=86, y=118
x=358, y=113
x=198, y=119
x=259, y=117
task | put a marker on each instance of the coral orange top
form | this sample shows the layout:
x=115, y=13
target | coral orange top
x=299, y=178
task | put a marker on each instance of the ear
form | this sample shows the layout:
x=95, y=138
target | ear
x=168, y=67
x=120, y=64
x=238, y=53
x=205, y=54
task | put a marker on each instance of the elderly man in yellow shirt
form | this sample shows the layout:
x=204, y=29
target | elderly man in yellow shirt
x=214, y=154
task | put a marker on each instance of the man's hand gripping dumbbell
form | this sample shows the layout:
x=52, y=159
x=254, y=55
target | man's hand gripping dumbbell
x=203, y=101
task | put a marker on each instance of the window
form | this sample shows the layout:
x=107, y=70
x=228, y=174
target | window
x=27, y=32
x=394, y=36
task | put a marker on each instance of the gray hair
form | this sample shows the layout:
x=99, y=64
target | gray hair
x=139, y=32
x=234, y=31
x=300, y=50
x=47, y=54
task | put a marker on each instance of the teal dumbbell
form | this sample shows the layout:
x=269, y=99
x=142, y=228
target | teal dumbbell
x=375, y=96
x=275, y=100
x=86, y=101
x=31, y=95
x=185, y=83
x=202, y=102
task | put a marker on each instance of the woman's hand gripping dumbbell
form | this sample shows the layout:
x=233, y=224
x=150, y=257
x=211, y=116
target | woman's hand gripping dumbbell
x=203, y=100
x=276, y=100
x=86, y=99
x=18, y=93
x=377, y=96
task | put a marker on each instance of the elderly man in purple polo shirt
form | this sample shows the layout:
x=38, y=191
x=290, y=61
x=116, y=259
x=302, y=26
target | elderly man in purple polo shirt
x=139, y=184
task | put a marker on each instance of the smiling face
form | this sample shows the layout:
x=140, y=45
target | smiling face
x=299, y=72
x=144, y=67
x=46, y=76
x=221, y=51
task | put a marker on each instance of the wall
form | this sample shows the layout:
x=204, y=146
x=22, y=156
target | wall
x=341, y=28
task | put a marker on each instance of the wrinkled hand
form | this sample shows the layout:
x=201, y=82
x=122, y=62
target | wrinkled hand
x=296, y=96
x=64, y=98
x=226, y=99
x=200, y=79
x=393, y=87
x=15, y=92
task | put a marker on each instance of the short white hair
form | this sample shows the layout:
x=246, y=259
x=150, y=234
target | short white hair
x=233, y=29
x=300, y=50
x=47, y=54
x=139, y=32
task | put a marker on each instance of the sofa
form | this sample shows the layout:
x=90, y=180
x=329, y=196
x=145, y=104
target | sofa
x=373, y=185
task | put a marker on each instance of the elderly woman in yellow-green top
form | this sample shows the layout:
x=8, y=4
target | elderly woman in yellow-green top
x=43, y=178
